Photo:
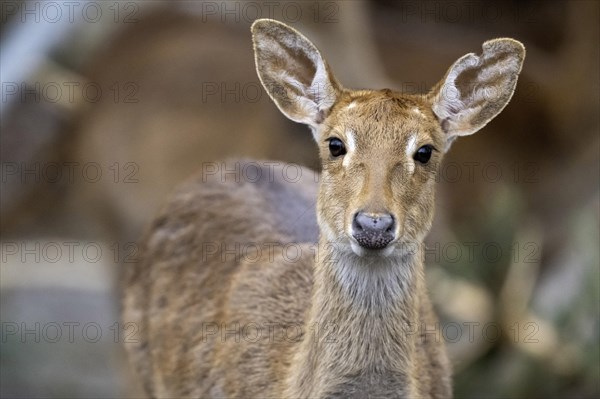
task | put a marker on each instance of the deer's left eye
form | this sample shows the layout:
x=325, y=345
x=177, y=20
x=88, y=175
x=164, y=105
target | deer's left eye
x=336, y=147
x=423, y=154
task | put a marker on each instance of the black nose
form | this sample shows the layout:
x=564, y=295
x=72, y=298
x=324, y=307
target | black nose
x=373, y=231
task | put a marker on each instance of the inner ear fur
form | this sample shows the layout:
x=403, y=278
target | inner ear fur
x=293, y=72
x=477, y=87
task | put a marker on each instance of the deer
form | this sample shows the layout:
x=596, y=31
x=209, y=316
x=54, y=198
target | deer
x=347, y=314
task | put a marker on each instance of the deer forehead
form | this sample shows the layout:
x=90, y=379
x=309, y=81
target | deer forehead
x=383, y=124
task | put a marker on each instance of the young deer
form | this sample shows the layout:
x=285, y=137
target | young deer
x=349, y=317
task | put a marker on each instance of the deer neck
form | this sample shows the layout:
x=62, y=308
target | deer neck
x=362, y=320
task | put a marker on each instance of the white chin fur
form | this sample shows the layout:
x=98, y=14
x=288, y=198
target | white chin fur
x=357, y=249
x=360, y=251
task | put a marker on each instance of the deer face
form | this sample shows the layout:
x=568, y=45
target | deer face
x=380, y=150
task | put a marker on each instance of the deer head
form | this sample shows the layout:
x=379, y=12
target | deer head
x=380, y=149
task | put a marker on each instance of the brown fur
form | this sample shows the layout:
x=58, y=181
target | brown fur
x=218, y=318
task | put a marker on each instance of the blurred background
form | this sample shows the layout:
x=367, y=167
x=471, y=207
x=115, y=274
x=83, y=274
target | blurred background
x=106, y=106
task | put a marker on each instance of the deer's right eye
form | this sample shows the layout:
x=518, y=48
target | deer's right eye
x=336, y=147
x=423, y=154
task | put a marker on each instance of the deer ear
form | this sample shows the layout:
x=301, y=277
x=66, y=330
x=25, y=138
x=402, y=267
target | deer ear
x=293, y=72
x=477, y=87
